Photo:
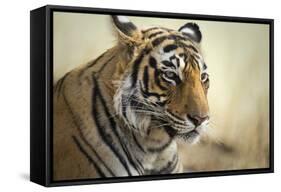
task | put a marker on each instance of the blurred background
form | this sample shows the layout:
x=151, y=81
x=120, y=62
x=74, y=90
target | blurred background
x=237, y=55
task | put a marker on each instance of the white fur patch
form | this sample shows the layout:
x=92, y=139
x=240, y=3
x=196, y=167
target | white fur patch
x=123, y=19
x=182, y=63
x=187, y=31
x=139, y=121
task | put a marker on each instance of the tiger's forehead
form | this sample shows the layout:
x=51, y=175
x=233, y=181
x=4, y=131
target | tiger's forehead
x=178, y=59
x=152, y=32
x=159, y=36
x=179, y=54
x=156, y=32
x=172, y=46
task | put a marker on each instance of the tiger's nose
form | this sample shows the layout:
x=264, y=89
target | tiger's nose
x=197, y=120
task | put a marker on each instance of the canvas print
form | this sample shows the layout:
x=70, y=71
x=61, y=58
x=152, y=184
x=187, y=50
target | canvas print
x=136, y=96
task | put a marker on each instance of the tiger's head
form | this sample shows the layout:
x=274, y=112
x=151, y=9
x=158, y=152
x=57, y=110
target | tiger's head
x=165, y=81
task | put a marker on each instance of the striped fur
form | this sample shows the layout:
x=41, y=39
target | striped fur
x=121, y=114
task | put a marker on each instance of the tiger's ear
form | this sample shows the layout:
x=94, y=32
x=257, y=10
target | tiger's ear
x=192, y=31
x=128, y=33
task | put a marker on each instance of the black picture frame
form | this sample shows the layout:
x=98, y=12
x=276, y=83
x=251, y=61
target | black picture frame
x=41, y=82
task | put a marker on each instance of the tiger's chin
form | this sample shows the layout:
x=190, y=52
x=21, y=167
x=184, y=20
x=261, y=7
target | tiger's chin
x=193, y=136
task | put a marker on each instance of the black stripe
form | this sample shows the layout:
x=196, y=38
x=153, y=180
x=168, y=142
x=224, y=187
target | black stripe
x=95, y=61
x=95, y=152
x=104, y=65
x=178, y=62
x=91, y=64
x=113, y=128
x=137, y=143
x=188, y=46
x=185, y=62
x=172, y=57
x=177, y=122
x=171, y=165
x=169, y=82
x=105, y=136
x=155, y=34
x=141, y=167
x=157, y=80
x=88, y=156
x=177, y=38
x=161, y=104
x=150, y=29
x=136, y=68
x=175, y=116
x=171, y=132
x=170, y=47
x=59, y=84
x=192, y=47
x=196, y=56
x=168, y=63
x=137, y=63
x=124, y=107
x=194, y=62
x=153, y=64
x=83, y=138
x=160, y=148
x=159, y=40
x=184, y=56
x=145, y=78
x=148, y=94
x=177, y=80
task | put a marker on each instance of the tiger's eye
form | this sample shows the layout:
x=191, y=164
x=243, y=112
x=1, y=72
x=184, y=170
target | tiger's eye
x=170, y=74
x=204, y=77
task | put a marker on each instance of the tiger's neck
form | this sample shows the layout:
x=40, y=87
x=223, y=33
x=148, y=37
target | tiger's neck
x=145, y=148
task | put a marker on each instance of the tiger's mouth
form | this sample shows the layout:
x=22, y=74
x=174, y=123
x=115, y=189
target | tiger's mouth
x=184, y=131
x=161, y=118
x=190, y=136
x=141, y=116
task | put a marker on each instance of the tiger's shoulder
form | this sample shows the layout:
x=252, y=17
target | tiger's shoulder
x=78, y=79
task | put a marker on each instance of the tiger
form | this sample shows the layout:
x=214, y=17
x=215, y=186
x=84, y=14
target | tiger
x=123, y=113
